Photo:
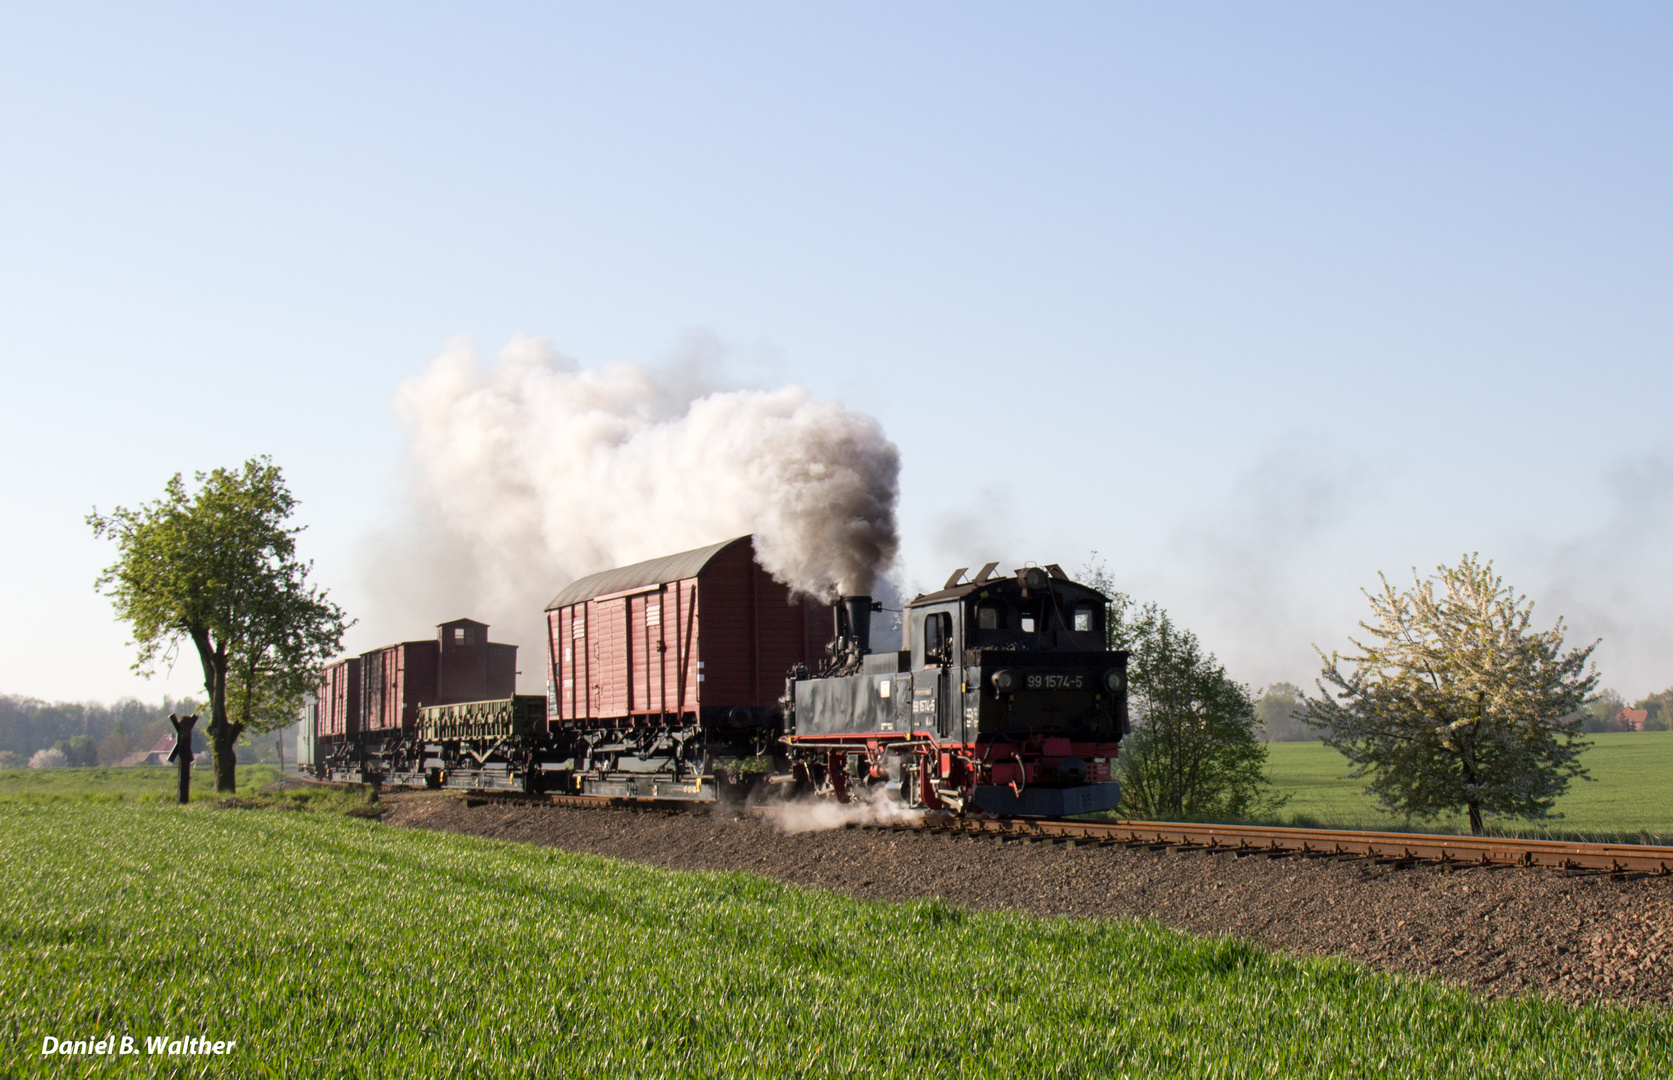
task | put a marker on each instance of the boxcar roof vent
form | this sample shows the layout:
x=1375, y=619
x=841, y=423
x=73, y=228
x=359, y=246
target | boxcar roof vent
x=953, y=581
x=987, y=572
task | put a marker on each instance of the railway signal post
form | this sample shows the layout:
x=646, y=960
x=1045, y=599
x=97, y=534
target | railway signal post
x=183, y=742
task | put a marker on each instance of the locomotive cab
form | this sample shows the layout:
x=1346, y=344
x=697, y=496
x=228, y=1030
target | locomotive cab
x=1004, y=699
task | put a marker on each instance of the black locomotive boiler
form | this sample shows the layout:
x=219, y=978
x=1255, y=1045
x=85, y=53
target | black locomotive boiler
x=1003, y=699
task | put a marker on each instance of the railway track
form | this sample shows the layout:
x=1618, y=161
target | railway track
x=1386, y=847
x=1236, y=841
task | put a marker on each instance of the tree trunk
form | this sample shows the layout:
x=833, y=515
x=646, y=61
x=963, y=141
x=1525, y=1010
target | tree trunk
x=221, y=733
x=1469, y=762
x=223, y=737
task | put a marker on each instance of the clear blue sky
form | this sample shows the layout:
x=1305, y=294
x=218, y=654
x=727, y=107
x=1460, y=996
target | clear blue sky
x=1255, y=300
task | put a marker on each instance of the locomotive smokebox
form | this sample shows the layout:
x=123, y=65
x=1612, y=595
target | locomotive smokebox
x=853, y=623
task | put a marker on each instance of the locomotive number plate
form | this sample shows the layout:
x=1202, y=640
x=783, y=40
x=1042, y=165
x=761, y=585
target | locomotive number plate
x=1055, y=682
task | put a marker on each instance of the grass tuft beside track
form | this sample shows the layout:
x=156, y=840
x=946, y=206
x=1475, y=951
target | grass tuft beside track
x=329, y=945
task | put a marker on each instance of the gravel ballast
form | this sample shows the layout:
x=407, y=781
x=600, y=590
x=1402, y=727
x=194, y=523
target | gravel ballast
x=1502, y=931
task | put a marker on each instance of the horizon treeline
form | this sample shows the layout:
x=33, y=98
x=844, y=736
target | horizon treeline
x=1280, y=710
x=92, y=733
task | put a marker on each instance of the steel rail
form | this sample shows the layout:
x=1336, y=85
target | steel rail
x=1234, y=840
x=1275, y=841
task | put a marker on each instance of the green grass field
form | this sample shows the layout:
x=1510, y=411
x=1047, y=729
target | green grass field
x=333, y=946
x=1629, y=797
x=154, y=783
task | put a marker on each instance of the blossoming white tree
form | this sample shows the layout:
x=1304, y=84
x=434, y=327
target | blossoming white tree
x=1455, y=702
x=49, y=758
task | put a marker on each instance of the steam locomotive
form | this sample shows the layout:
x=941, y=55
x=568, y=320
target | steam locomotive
x=699, y=677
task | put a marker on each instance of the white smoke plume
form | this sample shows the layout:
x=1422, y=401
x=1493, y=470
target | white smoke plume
x=1613, y=578
x=867, y=806
x=533, y=471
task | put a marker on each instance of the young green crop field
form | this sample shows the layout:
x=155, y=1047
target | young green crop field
x=325, y=945
x=1630, y=795
x=153, y=783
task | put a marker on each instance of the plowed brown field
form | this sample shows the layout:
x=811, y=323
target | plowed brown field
x=1501, y=931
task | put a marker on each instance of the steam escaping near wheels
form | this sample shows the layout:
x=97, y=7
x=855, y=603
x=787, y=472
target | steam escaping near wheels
x=867, y=806
x=533, y=471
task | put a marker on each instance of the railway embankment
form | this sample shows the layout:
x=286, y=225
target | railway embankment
x=1501, y=931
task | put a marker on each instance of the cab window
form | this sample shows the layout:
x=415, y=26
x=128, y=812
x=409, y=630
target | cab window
x=1083, y=620
x=987, y=617
x=938, y=638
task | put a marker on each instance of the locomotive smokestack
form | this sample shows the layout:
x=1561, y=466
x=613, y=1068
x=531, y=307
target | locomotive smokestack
x=853, y=623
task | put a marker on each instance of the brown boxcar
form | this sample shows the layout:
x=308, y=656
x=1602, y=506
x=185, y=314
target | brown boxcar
x=337, y=701
x=461, y=664
x=394, y=681
x=684, y=636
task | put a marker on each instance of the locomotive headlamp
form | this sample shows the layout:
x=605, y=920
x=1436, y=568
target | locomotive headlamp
x=1032, y=577
x=1004, y=681
x=1112, y=679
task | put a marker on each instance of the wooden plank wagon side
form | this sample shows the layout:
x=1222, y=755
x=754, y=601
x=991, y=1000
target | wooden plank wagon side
x=335, y=716
x=660, y=669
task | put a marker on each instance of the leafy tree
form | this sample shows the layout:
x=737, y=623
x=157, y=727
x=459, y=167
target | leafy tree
x=27, y=725
x=10, y=759
x=1192, y=752
x=1281, y=714
x=1603, y=712
x=114, y=747
x=1660, y=708
x=1454, y=702
x=217, y=567
x=80, y=751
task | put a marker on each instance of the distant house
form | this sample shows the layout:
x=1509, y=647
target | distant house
x=157, y=755
x=1633, y=719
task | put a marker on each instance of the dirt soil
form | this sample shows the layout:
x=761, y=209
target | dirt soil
x=1501, y=931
